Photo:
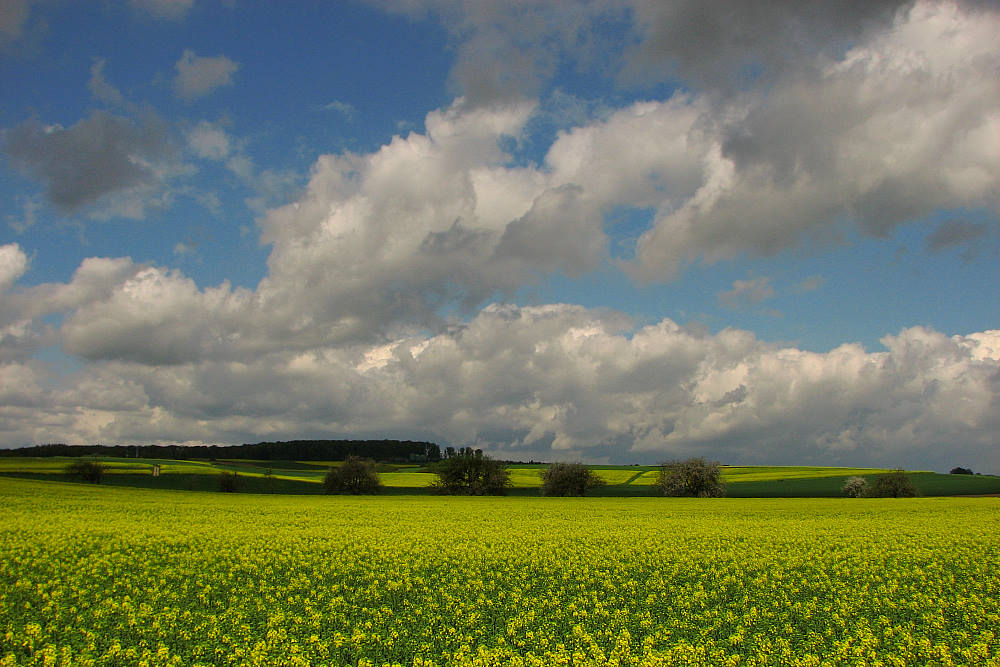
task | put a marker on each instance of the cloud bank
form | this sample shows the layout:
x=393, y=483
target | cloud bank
x=545, y=381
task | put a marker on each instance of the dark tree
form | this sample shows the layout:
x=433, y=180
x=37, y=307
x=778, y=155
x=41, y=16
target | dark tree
x=961, y=471
x=88, y=471
x=355, y=476
x=568, y=479
x=229, y=481
x=471, y=473
x=432, y=452
x=693, y=477
x=896, y=484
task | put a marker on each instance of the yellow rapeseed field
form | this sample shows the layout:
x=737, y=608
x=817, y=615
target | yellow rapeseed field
x=111, y=576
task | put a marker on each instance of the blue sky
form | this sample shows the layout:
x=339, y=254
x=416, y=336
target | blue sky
x=615, y=230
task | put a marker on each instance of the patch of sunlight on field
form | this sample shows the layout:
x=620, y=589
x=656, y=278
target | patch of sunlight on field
x=167, y=467
x=33, y=465
x=647, y=478
x=407, y=479
x=613, y=476
x=297, y=477
x=525, y=477
x=325, y=465
x=767, y=474
x=735, y=474
x=197, y=469
x=111, y=466
x=304, y=474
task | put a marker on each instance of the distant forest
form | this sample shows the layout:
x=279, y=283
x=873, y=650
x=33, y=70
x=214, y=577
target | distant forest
x=292, y=450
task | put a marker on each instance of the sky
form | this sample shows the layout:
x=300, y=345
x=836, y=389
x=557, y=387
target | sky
x=619, y=231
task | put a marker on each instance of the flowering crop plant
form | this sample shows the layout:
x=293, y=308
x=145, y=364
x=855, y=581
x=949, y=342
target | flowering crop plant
x=93, y=575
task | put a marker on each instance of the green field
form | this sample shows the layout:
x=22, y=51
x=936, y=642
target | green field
x=102, y=575
x=306, y=477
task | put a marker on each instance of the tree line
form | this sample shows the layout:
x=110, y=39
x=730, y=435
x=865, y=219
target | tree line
x=472, y=473
x=469, y=471
x=291, y=450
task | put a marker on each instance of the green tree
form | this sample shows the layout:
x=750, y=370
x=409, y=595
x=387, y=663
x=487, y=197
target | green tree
x=471, y=473
x=896, y=484
x=693, y=477
x=88, y=471
x=356, y=476
x=568, y=479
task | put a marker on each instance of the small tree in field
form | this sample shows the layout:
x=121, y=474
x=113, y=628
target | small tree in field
x=693, y=477
x=88, y=471
x=895, y=484
x=471, y=473
x=229, y=481
x=356, y=476
x=568, y=479
x=855, y=487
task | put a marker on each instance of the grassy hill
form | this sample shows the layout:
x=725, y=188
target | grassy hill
x=305, y=477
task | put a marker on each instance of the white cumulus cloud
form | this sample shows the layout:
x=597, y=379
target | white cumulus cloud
x=550, y=381
x=884, y=136
x=208, y=141
x=13, y=264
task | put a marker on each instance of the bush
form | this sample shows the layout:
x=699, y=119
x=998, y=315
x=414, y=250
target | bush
x=568, y=479
x=471, y=474
x=895, y=484
x=694, y=477
x=88, y=471
x=961, y=471
x=356, y=476
x=855, y=487
x=229, y=481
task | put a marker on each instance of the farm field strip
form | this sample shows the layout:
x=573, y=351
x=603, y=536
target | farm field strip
x=101, y=575
x=113, y=466
x=521, y=477
x=737, y=474
x=762, y=474
x=300, y=478
x=527, y=476
x=615, y=476
x=414, y=480
x=647, y=478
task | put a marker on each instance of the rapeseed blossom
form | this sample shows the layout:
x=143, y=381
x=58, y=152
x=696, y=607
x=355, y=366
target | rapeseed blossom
x=110, y=576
